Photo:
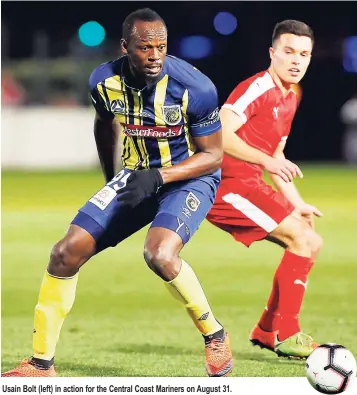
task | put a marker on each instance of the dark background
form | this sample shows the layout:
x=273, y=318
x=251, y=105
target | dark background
x=317, y=130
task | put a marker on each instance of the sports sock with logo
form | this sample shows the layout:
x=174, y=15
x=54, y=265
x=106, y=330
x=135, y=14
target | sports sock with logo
x=54, y=303
x=270, y=319
x=187, y=289
x=291, y=277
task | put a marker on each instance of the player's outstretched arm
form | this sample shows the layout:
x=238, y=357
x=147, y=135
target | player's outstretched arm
x=234, y=146
x=106, y=138
x=290, y=191
x=206, y=160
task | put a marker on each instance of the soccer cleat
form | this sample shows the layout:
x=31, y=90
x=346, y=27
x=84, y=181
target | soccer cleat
x=27, y=369
x=298, y=346
x=262, y=338
x=219, y=358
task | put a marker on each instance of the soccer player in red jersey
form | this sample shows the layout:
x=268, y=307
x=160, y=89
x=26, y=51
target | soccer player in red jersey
x=256, y=121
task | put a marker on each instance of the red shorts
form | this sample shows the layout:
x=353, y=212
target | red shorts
x=248, y=212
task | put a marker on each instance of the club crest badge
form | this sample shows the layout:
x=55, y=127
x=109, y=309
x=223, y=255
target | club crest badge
x=172, y=114
x=192, y=201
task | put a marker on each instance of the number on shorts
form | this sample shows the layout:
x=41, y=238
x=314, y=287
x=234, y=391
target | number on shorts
x=119, y=181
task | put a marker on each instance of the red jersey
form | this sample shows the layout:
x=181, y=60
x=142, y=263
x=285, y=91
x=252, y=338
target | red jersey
x=267, y=117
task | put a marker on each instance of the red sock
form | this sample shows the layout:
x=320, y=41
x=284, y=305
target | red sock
x=291, y=277
x=270, y=319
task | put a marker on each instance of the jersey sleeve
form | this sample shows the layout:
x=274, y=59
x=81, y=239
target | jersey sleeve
x=246, y=99
x=97, y=99
x=203, y=111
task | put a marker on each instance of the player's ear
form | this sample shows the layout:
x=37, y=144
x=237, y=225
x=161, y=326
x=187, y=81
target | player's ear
x=124, y=46
x=271, y=52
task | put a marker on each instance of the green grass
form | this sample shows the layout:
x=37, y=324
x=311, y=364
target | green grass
x=124, y=323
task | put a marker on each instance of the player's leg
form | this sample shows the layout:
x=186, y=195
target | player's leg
x=289, y=285
x=252, y=214
x=97, y=226
x=270, y=319
x=181, y=211
x=249, y=213
x=162, y=247
x=56, y=297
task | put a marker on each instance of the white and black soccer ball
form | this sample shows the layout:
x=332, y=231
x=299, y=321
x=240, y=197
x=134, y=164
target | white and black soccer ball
x=331, y=368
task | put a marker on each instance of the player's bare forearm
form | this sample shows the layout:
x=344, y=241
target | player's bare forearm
x=206, y=160
x=106, y=138
x=234, y=146
x=288, y=189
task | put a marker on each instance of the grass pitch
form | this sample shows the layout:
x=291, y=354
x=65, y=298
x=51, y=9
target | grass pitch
x=124, y=323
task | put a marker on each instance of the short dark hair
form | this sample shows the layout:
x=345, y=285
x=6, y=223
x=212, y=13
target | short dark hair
x=290, y=26
x=143, y=14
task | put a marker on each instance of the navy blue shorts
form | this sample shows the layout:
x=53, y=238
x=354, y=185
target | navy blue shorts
x=179, y=206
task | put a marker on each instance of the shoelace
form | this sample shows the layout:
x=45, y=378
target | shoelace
x=216, y=345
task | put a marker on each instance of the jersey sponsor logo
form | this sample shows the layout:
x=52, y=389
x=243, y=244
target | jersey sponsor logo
x=151, y=131
x=192, y=201
x=214, y=115
x=103, y=197
x=117, y=107
x=172, y=114
x=210, y=120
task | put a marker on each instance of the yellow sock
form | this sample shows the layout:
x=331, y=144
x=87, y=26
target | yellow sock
x=54, y=303
x=187, y=289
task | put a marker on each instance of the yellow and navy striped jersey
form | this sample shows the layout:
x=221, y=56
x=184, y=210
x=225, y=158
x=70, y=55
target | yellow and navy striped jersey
x=158, y=121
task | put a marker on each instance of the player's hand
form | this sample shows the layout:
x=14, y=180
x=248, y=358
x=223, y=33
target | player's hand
x=308, y=212
x=282, y=167
x=140, y=185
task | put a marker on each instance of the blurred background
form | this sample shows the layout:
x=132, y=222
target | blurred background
x=123, y=322
x=48, y=57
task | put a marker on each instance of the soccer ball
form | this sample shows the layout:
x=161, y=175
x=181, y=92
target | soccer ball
x=330, y=368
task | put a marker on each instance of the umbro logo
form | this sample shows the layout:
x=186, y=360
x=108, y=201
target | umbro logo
x=204, y=316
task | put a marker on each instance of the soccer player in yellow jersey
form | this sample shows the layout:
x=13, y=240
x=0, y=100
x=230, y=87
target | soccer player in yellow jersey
x=172, y=150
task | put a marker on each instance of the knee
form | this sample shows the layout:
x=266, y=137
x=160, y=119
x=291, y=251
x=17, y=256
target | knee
x=64, y=261
x=316, y=242
x=162, y=261
x=306, y=237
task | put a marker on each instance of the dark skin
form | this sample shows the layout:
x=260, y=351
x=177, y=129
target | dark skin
x=146, y=51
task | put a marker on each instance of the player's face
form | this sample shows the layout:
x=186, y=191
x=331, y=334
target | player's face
x=146, y=48
x=290, y=57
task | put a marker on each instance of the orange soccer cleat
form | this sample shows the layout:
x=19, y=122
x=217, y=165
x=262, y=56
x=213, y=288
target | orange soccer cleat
x=262, y=338
x=27, y=369
x=219, y=358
